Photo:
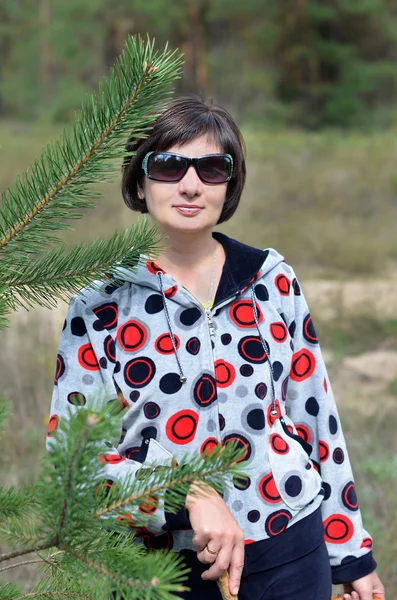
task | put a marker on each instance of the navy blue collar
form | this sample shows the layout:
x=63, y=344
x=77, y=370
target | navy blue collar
x=242, y=263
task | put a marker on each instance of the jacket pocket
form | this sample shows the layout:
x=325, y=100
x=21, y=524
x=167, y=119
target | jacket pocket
x=156, y=457
x=296, y=479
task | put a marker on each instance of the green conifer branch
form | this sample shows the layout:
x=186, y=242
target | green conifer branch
x=177, y=480
x=15, y=502
x=113, y=575
x=60, y=273
x=55, y=188
x=21, y=564
x=66, y=500
x=9, y=591
x=44, y=546
x=54, y=594
x=4, y=308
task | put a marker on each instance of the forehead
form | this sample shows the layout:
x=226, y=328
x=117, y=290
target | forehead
x=197, y=147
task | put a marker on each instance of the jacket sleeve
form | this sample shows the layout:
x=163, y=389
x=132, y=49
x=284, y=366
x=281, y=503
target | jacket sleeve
x=311, y=405
x=86, y=362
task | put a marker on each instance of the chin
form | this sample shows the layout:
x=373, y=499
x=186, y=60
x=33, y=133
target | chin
x=189, y=227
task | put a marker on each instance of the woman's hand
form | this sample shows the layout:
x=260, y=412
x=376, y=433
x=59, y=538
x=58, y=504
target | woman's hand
x=366, y=588
x=217, y=537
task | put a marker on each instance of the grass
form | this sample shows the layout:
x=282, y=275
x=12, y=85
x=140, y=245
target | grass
x=355, y=333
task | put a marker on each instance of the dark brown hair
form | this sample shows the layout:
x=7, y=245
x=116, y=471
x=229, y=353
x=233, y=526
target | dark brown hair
x=183, y=120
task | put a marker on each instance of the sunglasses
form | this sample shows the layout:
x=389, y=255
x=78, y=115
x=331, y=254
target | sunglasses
x=170, y=167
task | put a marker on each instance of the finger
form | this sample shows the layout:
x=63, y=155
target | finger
x=236, y=568
x=200, y=540
x=208, y=555
x=221, y=564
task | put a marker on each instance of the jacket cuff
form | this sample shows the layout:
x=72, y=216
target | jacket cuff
x=354, y=568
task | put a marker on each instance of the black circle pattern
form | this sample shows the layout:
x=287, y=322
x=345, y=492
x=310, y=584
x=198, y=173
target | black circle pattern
x=250, y=349
x=246, y=370
x=226, y=338
x=193, y=346
x=139, y=372
x=77, y=326
x=261, y=292
x=204, y=392
x=170, y=383
x=190, y=316
x=312, y=407
x=154, y=304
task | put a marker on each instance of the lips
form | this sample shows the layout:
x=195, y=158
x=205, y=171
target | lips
x=189, y=210
x=187, y=206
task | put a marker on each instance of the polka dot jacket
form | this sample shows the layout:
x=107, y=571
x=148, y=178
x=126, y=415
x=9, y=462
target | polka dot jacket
x=251, y=370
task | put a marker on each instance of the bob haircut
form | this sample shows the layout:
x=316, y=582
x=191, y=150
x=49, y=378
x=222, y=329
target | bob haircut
x=183, y=120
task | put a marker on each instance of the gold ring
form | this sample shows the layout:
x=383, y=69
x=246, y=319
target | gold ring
x=211, y=551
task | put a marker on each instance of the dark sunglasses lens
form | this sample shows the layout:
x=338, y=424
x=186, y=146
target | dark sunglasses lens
x=166, y=167
x=214, y=169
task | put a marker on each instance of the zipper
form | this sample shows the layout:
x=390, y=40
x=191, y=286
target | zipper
x=210, y=323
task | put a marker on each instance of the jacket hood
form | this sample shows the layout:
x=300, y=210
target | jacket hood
x=243, y=265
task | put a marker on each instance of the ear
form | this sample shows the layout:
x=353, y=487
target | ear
x=141, y=194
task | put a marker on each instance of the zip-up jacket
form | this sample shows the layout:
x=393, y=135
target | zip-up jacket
x=250, y=369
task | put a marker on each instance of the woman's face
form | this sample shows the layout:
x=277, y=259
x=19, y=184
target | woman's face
x=166, y=201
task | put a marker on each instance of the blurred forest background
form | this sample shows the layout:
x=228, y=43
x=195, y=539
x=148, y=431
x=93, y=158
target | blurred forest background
x=313, y=85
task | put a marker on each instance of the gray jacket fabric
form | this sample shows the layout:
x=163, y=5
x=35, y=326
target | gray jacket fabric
x=250, y=370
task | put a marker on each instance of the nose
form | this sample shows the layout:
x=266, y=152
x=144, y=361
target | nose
x=191, y=184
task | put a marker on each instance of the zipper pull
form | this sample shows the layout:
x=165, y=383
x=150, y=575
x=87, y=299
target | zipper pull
x=210, y=322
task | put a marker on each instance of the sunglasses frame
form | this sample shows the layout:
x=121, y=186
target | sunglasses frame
x=189, y=161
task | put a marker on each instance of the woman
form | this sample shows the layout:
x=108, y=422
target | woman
x=213, y=342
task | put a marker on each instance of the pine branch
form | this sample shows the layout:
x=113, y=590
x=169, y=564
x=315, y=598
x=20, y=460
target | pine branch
x=144, y=577
x=26, y=530
x=4, y=309
x=60, y=274
x=21, y=564
x=16, y=553
x=16, y=502
x=55, y=188
x=177, y=480
x=9, y=591
x=71, y=476
x=54, y=594
x=102, y=570
x=67, y=500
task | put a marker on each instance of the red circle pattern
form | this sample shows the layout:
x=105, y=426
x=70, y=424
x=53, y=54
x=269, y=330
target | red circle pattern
x=182, y=426
x=225, y=373
x=338, y=529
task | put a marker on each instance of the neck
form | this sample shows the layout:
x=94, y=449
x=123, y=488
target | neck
x=186, y=250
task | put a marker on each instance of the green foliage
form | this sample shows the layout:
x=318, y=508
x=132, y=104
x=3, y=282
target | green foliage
x=60, y=273
x=59, y=185
x=77, y=528
x=312, y=62
x=56, y=187
x=15, y=502
x=9, y=591
x=335, y=61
